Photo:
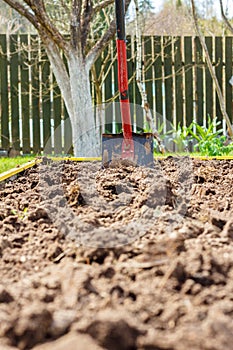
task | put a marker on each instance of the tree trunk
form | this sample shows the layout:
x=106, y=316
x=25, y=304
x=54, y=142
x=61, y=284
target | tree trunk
x=76, y=92
x=86, y=142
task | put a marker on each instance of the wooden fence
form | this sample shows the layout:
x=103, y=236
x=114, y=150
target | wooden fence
x=175, y=73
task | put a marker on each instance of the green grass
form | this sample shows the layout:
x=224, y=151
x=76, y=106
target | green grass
x=10, y=163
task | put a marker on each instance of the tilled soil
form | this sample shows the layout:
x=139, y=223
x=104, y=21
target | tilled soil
x=121, y=258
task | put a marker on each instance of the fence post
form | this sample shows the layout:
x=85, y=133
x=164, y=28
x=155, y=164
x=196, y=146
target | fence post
x=208, y=81
x=14, y=81
x=228, y=74
x=24, y=81
x=35, y=90
x=5, y=136
x=188, y=61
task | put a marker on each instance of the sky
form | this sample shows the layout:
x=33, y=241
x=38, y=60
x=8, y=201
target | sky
x=159, y=3
x=229, y=3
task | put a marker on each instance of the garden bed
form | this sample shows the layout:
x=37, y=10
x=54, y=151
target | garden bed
x=122, y=258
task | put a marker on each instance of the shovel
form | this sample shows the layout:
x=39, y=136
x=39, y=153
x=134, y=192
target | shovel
x=134, y=148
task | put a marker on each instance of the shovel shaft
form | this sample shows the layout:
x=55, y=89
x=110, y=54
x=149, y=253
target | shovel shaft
x=120, y=19
x=128, y=145
x=123, y=89
x=122, y=70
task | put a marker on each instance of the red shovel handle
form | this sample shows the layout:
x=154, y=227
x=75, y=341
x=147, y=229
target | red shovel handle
x=123, y=88
x=127, y=145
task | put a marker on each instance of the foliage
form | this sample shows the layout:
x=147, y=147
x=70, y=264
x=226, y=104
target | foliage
x=215, y=147
x=210, y=142
x=180, y=137
x=204, y=133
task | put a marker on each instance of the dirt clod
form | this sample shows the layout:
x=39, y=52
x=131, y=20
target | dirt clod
x=5, y=296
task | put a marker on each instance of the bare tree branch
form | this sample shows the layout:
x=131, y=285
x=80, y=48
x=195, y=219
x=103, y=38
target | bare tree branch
x=22, y=10
x=75, y=25
x=39, y=19
x=47, y=26
x=102, y=43
x=102, y=73
x=102, y=5
x=211, y=69
x=87, y=14
x=229, y=26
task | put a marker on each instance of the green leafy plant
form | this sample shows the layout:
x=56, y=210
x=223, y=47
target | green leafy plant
x=180, y=137
x=210, y=142
x=215, y=147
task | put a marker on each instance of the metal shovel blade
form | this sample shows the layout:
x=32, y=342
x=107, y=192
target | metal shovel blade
x=143, y=149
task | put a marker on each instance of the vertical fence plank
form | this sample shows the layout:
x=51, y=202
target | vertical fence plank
x=95, y=78
x=118, y=124
x=218, y=70
x=178, y=80
x=131, y=72
x=167, y=44
x=228, y=74
x=131, y=64
x=24, y=72
x=34, y=44
x=108, y=89
x=57, y=111
x=46, y=102
x=188, y=80
x=209, y=81
x=199, y=80
x=68, y=148
x=4, y=93
x=67, y=132
x=14, y=80
x=149, y=69
x=139, y=110
x=158, y=75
